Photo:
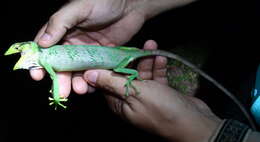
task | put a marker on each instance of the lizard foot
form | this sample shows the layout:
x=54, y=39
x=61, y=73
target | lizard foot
x=129, y=84
x=58, y=102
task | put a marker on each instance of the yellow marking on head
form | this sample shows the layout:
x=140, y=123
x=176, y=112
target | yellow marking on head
x=21, y=46
x=15, y=48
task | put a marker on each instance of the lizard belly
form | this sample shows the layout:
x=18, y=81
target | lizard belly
x=64, y=59
x=66, y=64
x=79, y=66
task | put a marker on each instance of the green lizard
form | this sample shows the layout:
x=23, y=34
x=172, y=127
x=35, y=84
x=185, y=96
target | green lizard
x=60, y=58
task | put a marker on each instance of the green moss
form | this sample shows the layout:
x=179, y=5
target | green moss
x=181, y=77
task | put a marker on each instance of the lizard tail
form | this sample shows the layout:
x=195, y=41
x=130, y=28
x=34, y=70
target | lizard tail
x=209, y=78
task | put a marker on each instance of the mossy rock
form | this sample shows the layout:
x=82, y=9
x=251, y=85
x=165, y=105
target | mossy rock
x=181, y=77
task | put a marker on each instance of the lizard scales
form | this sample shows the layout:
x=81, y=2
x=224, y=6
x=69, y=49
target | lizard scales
x=82, y=57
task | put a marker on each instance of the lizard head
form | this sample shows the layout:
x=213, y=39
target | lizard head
x=21, y=47
x=28, y=52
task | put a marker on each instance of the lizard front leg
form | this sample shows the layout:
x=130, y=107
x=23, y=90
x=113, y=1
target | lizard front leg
x=56, y=99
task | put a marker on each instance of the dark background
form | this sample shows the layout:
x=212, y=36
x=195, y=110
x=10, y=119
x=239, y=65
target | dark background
x=229, y=29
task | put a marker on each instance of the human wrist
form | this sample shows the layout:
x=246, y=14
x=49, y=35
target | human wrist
x=232, y=131
x=197, y=131
x=202, y=132
x=151, y=8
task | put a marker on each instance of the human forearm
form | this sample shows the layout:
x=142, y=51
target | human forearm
x=151, y=8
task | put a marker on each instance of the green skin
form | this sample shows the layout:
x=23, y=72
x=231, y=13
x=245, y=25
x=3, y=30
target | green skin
x=60, y=58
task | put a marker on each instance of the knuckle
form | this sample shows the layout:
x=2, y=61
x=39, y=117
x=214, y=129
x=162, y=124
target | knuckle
x=160, y=72
x=160, y=62
x=150, y=83
x=55, y=19
x=107, y=84
x=146, y=75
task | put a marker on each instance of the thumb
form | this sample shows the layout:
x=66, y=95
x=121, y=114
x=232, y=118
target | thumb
x=60, y=22
x=107, y=80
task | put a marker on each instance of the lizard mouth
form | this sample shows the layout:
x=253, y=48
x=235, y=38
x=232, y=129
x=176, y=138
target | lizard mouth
x=33, y=67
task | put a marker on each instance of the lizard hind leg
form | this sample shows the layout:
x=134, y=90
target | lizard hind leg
x=121, y=68
x=133, y=74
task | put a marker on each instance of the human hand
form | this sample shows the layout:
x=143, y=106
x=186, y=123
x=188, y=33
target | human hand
x=98, y=22
x=157, y=108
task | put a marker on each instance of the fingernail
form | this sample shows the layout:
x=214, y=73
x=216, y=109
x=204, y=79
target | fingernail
x=92, y=77
x=45, y=37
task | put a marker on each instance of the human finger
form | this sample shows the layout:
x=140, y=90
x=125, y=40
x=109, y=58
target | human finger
x=62, y=21
x=145, y=66
x=37, y=74
x=160, y=69
x=108, y=81
x=64, y=80
x=40, y=33
x=79, y=85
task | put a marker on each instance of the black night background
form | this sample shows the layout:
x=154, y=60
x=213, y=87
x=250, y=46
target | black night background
x=228, y=30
